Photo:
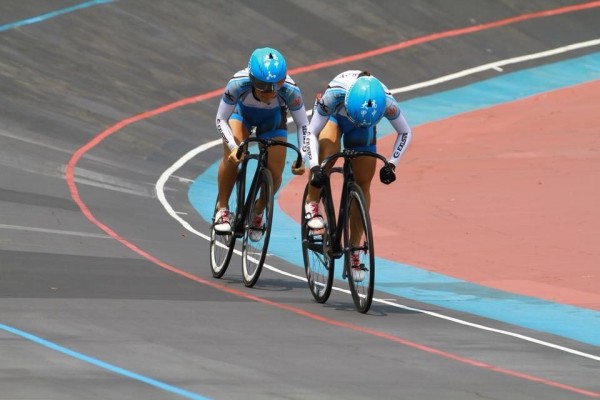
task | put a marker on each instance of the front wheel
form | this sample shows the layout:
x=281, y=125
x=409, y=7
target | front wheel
x=318, y=263
x=359, y=257
x=222, y=245
x=257, y=228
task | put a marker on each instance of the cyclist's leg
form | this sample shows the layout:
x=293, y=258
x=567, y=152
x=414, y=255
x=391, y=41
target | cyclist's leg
x=227, y=170
x=364, y=170
x=273, y=126
x=329, y=143
x=275, y=161
x=276, y=158
x=362, y=139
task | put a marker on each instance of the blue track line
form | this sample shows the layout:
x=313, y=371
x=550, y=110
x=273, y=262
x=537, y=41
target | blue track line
x=102, y=364
x=52, y=14
x=428, y=287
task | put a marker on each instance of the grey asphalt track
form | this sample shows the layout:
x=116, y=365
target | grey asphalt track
x=84, y=316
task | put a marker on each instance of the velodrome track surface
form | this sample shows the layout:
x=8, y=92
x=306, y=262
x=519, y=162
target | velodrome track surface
x=104, y=294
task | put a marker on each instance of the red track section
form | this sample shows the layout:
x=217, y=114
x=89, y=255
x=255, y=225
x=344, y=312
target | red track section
x=505, y=197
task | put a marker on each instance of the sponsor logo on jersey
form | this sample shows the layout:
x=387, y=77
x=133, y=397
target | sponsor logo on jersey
x=221, y=130
x=296, y=102
x=391, y=111
x=398, y=149
x=306, y=143
x=321, y=104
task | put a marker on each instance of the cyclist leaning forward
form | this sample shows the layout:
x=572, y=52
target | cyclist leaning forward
x=349, y=110
x=256, y=98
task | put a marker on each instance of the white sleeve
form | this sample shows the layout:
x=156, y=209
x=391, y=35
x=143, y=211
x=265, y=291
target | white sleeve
x=402, y=140
x=317, y=123
x=301, y=121
x=223, y=113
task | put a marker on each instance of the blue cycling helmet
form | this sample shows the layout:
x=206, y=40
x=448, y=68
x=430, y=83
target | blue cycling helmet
x=267, y=67
x=365, y=101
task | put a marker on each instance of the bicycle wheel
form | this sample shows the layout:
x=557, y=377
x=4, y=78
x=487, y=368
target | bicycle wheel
x=257, y=233
x=361, y=275
x=318, y=263
x=222, y=246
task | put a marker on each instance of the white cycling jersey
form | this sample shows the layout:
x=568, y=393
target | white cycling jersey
x=265, y=117
x=331, y=103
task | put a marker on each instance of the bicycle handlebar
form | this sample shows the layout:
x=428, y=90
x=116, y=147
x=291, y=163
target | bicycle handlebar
x=350, y=154
x=268, y=143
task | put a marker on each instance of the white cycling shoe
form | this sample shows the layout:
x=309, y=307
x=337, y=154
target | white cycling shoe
x=312, y=215
x=222, y=223
x=257, y=222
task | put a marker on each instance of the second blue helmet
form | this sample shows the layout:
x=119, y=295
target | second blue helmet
x=365, y=101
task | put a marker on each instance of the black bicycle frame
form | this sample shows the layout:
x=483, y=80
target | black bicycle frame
x=337, y=229
x=243, y=201
x=337, y=250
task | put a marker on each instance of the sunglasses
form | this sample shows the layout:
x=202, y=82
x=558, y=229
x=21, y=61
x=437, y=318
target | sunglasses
x=264, y=87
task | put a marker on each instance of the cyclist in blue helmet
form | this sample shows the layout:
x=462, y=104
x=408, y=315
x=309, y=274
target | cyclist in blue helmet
x=347, y=113
x=257, y=100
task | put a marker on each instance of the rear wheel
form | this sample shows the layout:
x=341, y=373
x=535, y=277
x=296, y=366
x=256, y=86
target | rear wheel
x=256, y=235
x=361, y=273
x=318, y=263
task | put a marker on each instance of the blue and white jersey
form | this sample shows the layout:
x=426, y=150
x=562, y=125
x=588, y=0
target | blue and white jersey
x=331, y=104
x=269, y=116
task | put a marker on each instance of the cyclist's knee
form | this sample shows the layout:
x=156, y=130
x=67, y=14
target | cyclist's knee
x=276, y=174
x=227, y=170
x=366, y=188
x=276, y=161
x=327, y=147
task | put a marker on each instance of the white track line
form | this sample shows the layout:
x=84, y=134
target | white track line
x=495, y=66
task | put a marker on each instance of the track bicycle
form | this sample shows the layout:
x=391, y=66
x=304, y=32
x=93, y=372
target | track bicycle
x=244, y=203
x=320, y=248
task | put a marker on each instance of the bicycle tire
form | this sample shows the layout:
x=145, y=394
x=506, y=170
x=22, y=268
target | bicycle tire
x=221, y=246
x=318, y=262
x=254, y=249
x=361, y=282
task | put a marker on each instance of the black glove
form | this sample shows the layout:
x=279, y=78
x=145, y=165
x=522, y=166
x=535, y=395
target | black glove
x=387, y=174
x=318, y=177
